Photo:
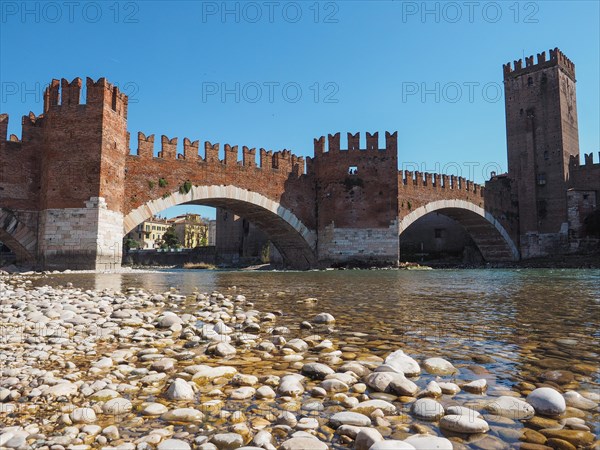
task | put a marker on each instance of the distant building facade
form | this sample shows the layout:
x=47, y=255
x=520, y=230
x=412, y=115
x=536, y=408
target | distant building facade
x=149, y=233
x=191, y=230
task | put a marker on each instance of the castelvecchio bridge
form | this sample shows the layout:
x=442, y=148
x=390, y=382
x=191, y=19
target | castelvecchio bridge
x=71, y=187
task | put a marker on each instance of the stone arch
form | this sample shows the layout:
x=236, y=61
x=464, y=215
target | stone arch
x=17, y=236
x=292, y=238
x=489, y=235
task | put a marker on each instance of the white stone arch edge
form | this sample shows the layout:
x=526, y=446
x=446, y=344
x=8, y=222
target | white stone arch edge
x=409, y=219
x=199, y=193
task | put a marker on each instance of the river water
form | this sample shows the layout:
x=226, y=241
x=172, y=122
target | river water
x=524, y=319
x=514, y=327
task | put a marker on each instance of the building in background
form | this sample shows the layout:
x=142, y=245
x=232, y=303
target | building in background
x=149, y=234
x=191, y=229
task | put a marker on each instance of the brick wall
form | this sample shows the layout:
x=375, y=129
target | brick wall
x=418, y=189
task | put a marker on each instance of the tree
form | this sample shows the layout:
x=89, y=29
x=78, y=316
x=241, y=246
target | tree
x=170, y=238
x=129, y=244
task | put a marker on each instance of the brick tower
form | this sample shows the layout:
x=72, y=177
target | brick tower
x=542, y=135
x=357, y=200
x=82, y=175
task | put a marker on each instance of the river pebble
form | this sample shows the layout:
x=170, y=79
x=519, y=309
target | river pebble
x=464, y=424
x=209, y=371
x=547, y=401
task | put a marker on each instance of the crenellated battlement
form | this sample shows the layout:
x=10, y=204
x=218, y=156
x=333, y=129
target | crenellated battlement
x=31, y=128
x=588, y=161
x=101, y=93
x=3, y=126
x=586, y=176
x=283, y=160
x=354, y=145
x=439, y=181
x=557, y=58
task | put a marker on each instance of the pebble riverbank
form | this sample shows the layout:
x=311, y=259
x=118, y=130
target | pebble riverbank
x=141, y=370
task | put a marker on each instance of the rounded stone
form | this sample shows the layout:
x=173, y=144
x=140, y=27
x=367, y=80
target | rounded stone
x=578, y=438
x=366, y=437
x=224, y=349
x=227, y=441
x=183, y=415
x=334, y=386
x=439, y=366
x=168, y=320
x=510, y=407
x=265, y=392
x=83, y=415
x=349, y=418
x=117, y=406
x=367, y=407
x=576, y=400
x=400, y=362
x=391, y=444
x=61, y=389
x=104, y=395
x=427, y=409
x=324, y=318
x=303, y=443
x=317, y=371
x=154, y=409
x=547, y=401
x=242, y=393
x=173, y=444
x=476, y=387
x=462, y=411
x=464, y=424
x=180, y=390
x=449, y=388
x=428, y=442
x=291, y=385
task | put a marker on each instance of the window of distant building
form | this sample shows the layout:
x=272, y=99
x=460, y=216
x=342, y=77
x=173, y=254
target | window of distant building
x=352, y=170
x=437, y=233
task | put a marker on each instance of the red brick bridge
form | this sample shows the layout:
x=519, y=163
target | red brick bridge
x=71, y=188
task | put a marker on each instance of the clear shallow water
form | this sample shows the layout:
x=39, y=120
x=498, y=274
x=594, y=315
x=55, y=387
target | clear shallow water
x=508, y=326
x=499, y=312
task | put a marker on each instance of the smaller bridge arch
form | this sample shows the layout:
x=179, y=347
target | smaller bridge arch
x=489, y=235
x=295, y=241
x=17, y=236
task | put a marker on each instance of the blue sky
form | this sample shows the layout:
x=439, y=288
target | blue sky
x=276, y=75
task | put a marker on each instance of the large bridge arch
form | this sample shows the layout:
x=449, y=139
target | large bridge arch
x=295, y=242
x=17, y=236
x=489, y=235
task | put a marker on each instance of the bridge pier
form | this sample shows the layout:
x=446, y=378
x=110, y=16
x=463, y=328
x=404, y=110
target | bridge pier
x=87, y=238
x=360, y=246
